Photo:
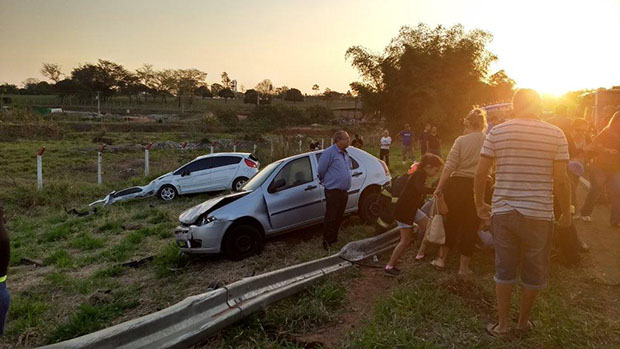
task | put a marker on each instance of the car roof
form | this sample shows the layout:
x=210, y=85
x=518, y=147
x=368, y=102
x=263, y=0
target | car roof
x=222, y=154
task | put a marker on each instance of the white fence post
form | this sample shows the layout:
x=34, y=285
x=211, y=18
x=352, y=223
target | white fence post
x=322, y=143
x=99, y=164
x=234, y=147
x=300, y=145
x=40, y=168
x=146, y=159
x=212, y=146
x=254, y=151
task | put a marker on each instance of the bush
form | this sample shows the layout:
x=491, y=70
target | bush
x=319, y=115
x=229, y=119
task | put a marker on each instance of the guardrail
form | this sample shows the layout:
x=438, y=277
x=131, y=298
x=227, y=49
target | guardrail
x=196, y=318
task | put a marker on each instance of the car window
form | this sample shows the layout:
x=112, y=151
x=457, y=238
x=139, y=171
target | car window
x=219, y=161
x=354, y=164
x=197, y=165
x=296, y=172
x=260, y=178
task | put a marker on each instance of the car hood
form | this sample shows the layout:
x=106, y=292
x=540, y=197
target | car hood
x=190, y=216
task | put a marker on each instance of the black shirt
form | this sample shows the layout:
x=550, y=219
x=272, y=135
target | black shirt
x=433, y=141
x=412, y=197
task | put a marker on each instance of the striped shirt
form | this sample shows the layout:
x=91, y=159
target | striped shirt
x=524, y=151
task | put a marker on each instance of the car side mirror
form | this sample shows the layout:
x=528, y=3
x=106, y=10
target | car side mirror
x=275, y=186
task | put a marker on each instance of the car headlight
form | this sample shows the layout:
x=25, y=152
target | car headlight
x=206, y=220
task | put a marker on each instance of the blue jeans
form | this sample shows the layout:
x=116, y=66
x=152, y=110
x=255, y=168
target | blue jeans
x=5, y=301
x=521, y=243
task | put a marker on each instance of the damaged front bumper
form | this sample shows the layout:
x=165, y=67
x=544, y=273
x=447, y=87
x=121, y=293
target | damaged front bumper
x=204, y=239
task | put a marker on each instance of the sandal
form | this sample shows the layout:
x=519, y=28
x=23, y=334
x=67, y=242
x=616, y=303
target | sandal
x=437, y=266
x=524, y=331
x=491, y=330
x=419, y=258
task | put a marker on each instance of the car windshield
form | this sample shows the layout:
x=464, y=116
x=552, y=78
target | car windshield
x=260, y=177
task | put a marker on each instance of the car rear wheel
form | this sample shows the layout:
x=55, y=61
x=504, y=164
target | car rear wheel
x=167, y=192
x=370, y=207
x=239, y=183
x=242, y=241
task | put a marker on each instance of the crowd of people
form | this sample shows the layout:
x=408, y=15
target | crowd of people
x=516, y=179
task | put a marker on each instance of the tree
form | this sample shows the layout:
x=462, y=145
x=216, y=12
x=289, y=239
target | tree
x=216, y=88
x=264, y=87
x=502, y=87
x=187, y=82
x=294, y=95
x=281, y=91
x=148, y=78
x=165, y=82
x=424, y=74
x=250, y=97
x=226, y=94
x=225, y=80
x=203, y=91
x=52, y=72
x=315, y=88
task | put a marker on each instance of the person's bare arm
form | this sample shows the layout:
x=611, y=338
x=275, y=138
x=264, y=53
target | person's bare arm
x=561, y=188
x=480, y=181
x=5, y=245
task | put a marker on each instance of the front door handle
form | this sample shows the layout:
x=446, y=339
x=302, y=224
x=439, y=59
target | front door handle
x=310, y=187
x=357, y=174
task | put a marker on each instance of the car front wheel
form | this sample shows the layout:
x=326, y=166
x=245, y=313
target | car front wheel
x=239, y=183
x=167, y=193
x=242, y=241
x=370, y=207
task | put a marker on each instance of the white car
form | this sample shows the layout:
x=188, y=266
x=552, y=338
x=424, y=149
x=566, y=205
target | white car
x=213, y=172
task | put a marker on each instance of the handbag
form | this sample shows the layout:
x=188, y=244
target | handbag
x=436, y=233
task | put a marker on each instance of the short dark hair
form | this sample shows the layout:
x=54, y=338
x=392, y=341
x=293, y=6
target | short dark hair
x=431, y=160
x=339, y=135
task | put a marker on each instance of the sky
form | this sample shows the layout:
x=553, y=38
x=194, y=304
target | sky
x=552, y=46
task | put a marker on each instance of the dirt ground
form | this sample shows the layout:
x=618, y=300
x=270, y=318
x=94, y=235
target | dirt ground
x=601, y=265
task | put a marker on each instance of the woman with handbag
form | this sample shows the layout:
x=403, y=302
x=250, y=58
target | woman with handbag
x=409, y=201
x=456, y=187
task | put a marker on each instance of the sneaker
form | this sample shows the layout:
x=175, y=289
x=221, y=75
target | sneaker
x=586, y=218
x=392, y=271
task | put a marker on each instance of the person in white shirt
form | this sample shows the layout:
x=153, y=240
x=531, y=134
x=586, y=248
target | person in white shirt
x=384, y=152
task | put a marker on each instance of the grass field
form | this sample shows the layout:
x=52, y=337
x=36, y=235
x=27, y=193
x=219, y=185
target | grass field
x=82, y=286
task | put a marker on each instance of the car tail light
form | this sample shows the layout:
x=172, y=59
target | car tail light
x=251, y=163
x=385, y=167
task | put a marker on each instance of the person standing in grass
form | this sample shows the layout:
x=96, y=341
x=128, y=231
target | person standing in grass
x=357, y=142
x=433, y=143
x=406, y=138
x=5, y=254
x=456, y=184
x=408, y=204
x=384, y=152
x=605, y=172
x=334, y=172
x=531, y=159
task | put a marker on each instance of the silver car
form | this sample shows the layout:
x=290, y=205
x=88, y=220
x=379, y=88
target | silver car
x=284, y=196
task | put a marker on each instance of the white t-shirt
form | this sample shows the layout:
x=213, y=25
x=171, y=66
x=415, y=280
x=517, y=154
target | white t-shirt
x=385, y=142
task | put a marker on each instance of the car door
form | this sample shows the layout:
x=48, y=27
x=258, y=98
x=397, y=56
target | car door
x=299, y=201
x=223, y=168
x=358, y=175
x=191, y=177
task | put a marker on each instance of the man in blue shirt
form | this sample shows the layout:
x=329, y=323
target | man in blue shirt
x=335, y=176
x=406, y=137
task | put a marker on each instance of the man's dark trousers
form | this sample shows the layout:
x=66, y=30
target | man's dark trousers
x=334, y=211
